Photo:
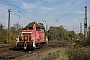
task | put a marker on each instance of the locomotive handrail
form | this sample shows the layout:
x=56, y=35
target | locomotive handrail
x=26, y=32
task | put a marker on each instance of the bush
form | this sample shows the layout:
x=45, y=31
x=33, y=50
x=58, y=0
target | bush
x=81, y=54
x=86, y=42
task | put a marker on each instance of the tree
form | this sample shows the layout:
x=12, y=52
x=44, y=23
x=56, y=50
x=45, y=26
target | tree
x=17, y=26
x=37, y=24
x=3, y=34
x=57, y=33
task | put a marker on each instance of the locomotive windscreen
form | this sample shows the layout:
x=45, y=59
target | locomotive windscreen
x=38, y=28
x=31, y=28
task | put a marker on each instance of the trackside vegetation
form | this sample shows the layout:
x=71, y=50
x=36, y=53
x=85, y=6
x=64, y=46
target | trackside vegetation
x=54, y=33
x=80, y=51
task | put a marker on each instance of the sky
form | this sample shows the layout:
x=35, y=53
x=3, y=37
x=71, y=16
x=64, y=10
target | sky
x=69, y=13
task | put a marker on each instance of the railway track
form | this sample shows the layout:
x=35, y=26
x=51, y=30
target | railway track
x=10, y=54
x=6, y=54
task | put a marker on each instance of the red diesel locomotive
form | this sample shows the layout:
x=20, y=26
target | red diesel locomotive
x=31, y=38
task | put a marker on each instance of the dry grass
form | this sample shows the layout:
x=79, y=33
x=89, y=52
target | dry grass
x=62, y=55
x=58, y=55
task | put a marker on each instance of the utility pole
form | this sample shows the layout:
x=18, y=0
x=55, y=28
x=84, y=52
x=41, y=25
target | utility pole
x=85, y=23
x=9, y=10
x=46, y=29
x=46, y=32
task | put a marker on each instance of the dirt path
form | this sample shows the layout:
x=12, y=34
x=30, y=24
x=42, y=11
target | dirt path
x=40, y=55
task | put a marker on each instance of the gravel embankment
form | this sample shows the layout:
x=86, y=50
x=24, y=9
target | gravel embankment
x=40, y=55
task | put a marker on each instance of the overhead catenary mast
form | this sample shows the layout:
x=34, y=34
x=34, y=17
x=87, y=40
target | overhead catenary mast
x=9, y=10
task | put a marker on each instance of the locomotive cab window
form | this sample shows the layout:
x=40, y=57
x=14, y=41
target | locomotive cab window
x=42, y=30
x=38, y=28
x=31, y=28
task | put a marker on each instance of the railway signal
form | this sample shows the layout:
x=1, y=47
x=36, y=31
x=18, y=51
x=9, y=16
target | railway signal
x=85, y=23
